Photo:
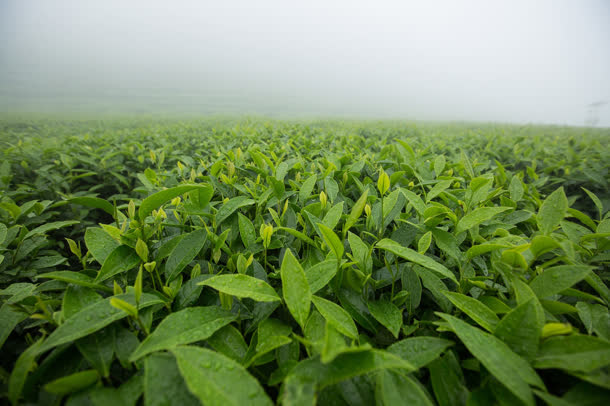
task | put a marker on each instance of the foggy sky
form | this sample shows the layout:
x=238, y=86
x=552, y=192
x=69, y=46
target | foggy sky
x=511, y=61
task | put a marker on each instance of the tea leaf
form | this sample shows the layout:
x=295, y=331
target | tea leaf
x=297, y=294
x=387, y=314
x=218, y=380
x=185, y=251
x=552, y=211
x=356, y=212
x=98, y=350
x=156, y=200
x=9, y=318
x=94, y=202
x=242, y=286
x=510, y=369
x=420, y=351
x=477, y=217
x=573, y=353
x=331, y=239
x=395, y=388
x=335, y=315
x=20, y=371
x=93, y=318
x=49, y=227
x=320, y=274
x=413, y=256
x=163, y=383
x=556, y=279
x=121, y=259
x=72, y=383
x=184, y=327
x=476, y=310
x=520, y=329
x=231, y=206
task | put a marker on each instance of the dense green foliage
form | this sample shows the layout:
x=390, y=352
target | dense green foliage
x=252, y=262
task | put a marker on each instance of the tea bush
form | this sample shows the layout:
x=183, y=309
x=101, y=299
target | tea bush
x=234, y=262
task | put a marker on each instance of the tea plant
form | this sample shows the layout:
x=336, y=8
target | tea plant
x=299, y=263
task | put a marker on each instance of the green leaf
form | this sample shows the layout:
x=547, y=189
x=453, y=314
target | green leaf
x=231, y=206
x=163, y=383
x=307, y=188
x=337, y=316
x=156, y=200
x=307, y=375
x=332, y=217
x=9, y=318
x=23, y=366
x=477, y=217
x=424, y=243
x=436, y=286
x=439, y=188
x=510, y=369
x=394, y=388
x=356, y=212
x=229, y=342
x=520, y=329
x=334, y=344
x=184, y=327
x=556, y=279
x=542, y=244
x=464, y=160
x=447, y=381
x=413, y=256
x=242, y=286
x=573, y=353
x=416, y=201
x=76, y=278
x=98, y=349
x=72, y=383
x=320, y=274
x=122, y=259
x=420, y=351
x=412, y=284
x=271, y=334
x=125, y=342
x=297, y=234
x=361, y=253
x=387, y=314
x=355, y=305
x=94, y=202
x=246, y=231
x=49, y=227
x=297, y=294
x=515, y=189
x=552, y=211
x=201, y=196
x=218, y=380
x=3, y=233
x=332, y=241
x=186, y=250
x=93, y=318
x=595, y=319
x=476, y=310
x=439, y=165
x=447, y=243
x=598, y=203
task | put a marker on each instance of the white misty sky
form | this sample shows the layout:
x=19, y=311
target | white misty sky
x=518, y=61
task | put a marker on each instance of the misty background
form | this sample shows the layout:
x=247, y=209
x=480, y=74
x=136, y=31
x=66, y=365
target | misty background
x=510, y=61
